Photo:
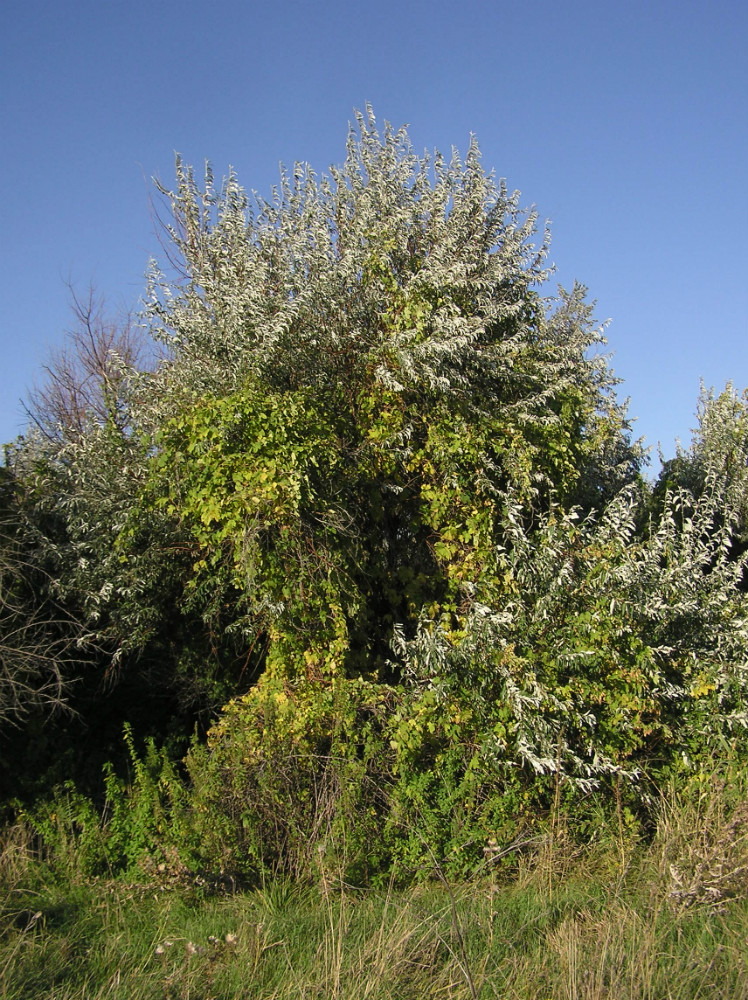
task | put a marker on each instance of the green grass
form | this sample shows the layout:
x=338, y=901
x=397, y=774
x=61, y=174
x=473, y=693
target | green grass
x=515, y=942
x=618, y=919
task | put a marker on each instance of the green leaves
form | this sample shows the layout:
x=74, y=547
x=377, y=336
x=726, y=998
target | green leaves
x=380, y=485
x=254, y=478
x=606, y=647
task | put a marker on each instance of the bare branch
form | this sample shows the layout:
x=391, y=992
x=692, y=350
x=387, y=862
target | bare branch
x=85, y=379
x=40, y=642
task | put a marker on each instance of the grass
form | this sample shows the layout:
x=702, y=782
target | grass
x=620, y=919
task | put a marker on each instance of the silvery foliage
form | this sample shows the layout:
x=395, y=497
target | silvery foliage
x=82, y=463
x=290, y=291
x=597, y=591
x=719, y=450
x=82, y=493
x=300, y=290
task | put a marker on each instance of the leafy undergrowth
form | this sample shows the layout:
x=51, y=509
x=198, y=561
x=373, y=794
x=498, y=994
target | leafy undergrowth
x=620, y=918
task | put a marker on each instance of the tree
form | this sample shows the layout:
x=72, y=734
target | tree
x=379, y=501
x=84, y=380
x=361, y=369
x=718, y=454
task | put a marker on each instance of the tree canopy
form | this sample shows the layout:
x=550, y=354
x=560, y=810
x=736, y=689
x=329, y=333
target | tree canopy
x=376, y=497
x=363, y=369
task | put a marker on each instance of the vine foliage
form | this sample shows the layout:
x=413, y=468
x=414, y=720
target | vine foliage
x=376, y=513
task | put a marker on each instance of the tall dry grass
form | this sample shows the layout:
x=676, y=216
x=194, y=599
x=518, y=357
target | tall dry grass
x=616, y=920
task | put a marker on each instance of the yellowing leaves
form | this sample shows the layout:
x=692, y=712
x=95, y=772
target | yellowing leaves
x=702, y=687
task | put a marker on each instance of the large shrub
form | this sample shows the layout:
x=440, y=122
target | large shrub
x=379, y=489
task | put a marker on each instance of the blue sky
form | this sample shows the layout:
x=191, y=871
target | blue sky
x=625, y=124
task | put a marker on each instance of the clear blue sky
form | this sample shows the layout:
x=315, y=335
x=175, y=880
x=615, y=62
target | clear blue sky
x=625, y=123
